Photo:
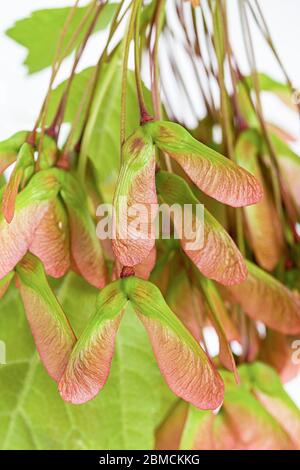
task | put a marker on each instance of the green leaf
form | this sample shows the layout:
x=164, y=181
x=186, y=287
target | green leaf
x=33, y=416
x=31, y=32
x=4, y=283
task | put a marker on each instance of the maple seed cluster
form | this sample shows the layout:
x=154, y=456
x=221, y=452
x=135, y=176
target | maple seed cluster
x=49, y=215
x=245, y=271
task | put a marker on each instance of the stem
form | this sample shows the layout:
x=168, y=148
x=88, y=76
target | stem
x=53, y=68
x=154, y=65
x=128, y=38
x=264, y=29
x=90, y=118
x=275, y=173
x=190, y=49
x=76, y=120
x=144, y=115
x=226, y=114
x=55, y=126
x=58, y=59
x=179, y=79
x=240, y=121
x=154, y=68
x=229, y=133
x=207, y=68
x=114, y=25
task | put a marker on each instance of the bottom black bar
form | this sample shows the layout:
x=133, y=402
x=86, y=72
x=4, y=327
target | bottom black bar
x=135, y=459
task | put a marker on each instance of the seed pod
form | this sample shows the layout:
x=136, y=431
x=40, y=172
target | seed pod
x=263, y=223
x=32, y=203
x=269, y=391
x=220, y=311
x=214, y=174
x=265, y=299
x=51, y=241
x=89, y=365
x=183, y=363
x=49, y=152
x=42, y=225
x=289, y=164
x=255, y=415
x=186, y=302
x=135, y=201
x=51, y=330
x=214, y=301
x=86, y=251
x=277, y=351
x=20, y=176
x=217, y=256
x=244, y=423
x=9, y=149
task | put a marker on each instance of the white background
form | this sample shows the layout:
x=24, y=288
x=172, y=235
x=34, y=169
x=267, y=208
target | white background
x=21, y=95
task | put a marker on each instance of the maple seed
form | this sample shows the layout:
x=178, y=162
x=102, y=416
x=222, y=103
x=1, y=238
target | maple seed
x=215, y=175
x=135, y=190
